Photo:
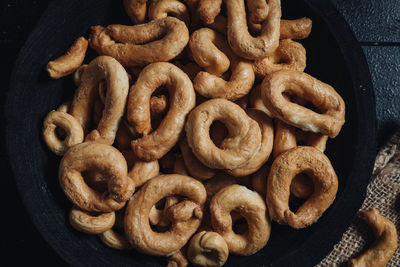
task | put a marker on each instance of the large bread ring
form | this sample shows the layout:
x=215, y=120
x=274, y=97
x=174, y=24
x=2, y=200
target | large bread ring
x=101, y=68
x=251, y=206
x=267, y=140
x=137, y=227
x=72, y=129
x=209, y=85
x=139, y=45
x=322, y=95
x=242, y=143
x=105, y=159
x=182, y=100
x=285, y=167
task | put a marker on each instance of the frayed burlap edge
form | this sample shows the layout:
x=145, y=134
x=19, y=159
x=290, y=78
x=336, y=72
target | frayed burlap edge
x=383, y=194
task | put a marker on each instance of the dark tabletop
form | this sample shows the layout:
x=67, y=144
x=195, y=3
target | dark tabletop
x=376, y=25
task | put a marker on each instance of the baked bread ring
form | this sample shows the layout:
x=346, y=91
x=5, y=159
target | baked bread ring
x=242, y=143
x=91, y=224
x=289, y=55
x=137, y=227
x=162, y=8
x=385, y=245
x=207, y=249
x=69, y=62
x=139, y=45
x=267, y=140
x=105, y=159
x=182, y=100
x=101, y=68
x=251, y=206
x=285, y=167
x=323, y=96
x=72, y=130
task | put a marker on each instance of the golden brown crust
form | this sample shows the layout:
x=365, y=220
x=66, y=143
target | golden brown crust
x=255, y=101
x=267, y=140
x=385, y=245
x=163, y=8
x=137, y=227
x=140, y=171
x=71, y=128
x=207, y=249
x=285, y=167
x=70, y=61
x=91, y=224
x=139, y=45
x=295, y=29
x=258, y=10
x=105, y=159
x=156, y=144
x=251, y=206
x=244, y=135
x=259, y=180
x=208, y=10
x=323, y=96
x=136, y=10
x=177, y=259
x=115, y=240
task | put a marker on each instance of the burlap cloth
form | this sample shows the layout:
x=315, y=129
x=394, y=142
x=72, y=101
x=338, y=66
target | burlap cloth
x=382, y=193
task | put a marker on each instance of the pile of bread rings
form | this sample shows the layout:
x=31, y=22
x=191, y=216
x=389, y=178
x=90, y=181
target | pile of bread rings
x=193, y=129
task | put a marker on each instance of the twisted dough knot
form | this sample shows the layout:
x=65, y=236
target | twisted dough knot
x=207, y=249
x=156, y=41
x=101, y=68
x=104, y=159
x=285, y=167
x=249, y=205
x=243, y=141
x=182, y=99
x=137, y=226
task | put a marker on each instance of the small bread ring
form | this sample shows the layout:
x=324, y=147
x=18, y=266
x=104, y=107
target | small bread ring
x=114, y=240
x=207, y=249
x=69, y=62
x=251, y=206
x=139, y=45
x=137, y=227
x=72, y=129
x=255, y=101
x=385, y=245
x=101, y=68
x=322, y=95
x=136, y=10
x=244, y=138
x=196, y=169
x=295, y=29
x=140, y=171
x=182, y=100
x=285, y=167
x=163, y=8
x=105, y=159
x=91, y=224
x=289, y=55
x=204, y=45
x=267, y=140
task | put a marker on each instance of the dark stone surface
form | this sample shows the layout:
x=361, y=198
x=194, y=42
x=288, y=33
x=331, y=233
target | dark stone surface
x=372, y=21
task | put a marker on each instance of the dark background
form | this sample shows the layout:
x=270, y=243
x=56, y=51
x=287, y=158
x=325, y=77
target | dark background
x=376, y=25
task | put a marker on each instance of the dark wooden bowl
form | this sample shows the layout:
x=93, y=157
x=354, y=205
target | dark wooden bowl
x=333, y=56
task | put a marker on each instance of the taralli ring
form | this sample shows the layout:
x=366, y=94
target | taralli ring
x=285, y=167
x=182, y=99
x=207, y=249
x=385, y=245
x=323, y=96
x=137, y=227
x=69, y=62
x=101, y=68
x=244, y=135
x=101, y=158
x=72, y=129
x=251, y=206
x=91, y=224
x=139, y=45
